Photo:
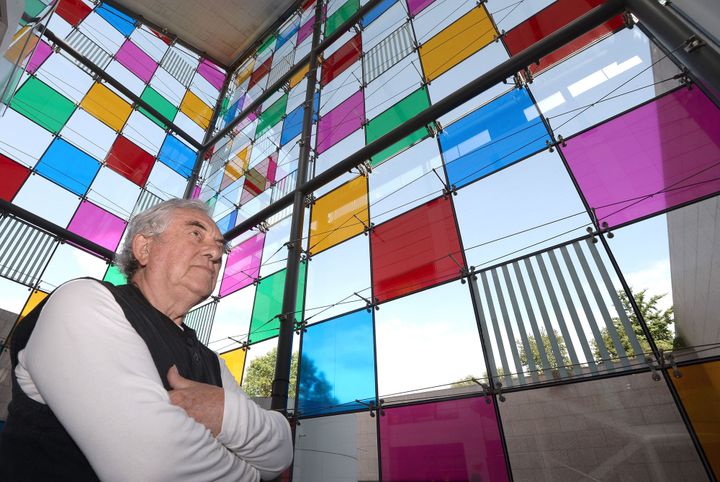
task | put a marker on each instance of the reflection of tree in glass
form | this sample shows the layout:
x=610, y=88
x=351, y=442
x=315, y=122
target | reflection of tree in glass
x=315, y=389
x=261, y=372
x=548, y=347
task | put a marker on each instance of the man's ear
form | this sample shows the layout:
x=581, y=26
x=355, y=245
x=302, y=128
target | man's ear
x=141, y=248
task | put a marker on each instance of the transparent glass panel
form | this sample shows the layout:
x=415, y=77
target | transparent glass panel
x=149, y=42
x=232, y=320
x=378, y=30
x=438, y=16
x=341, y=88
x=114, y=193
x=69, y=263
x=47, y=199
x=637, y=432
x=21, y=139
x=63, y=75
x=164, y=182
x=144, y=132
x=204, y=89
x=185, y=123
x=400, y=79
x=89, y=134
x=101, y=32
x=124, y=76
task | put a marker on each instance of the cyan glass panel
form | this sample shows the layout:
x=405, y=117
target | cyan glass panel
x=68, y=166
x=123, y=23
x=492, y=137
x=175, y=154
x=292, y=126
x=337, y=365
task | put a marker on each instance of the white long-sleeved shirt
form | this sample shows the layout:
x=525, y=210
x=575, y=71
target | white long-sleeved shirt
x=89, y=365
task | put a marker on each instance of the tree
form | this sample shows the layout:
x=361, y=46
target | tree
x=261, y=373
x=548, y=347
x=660, y=323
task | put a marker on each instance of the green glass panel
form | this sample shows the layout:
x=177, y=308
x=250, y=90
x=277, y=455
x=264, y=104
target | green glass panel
x=32, y=9
x=114, y=276
x=340, y=16
x=43, y=105
x=267, y=43
x=264, y=323
x=401, y=112
x=271, y=116
x=160, y=104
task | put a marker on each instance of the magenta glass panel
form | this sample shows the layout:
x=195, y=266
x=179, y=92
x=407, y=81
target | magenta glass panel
x=97, y=225
x=657, y=156
x=196, y=192
x=416, y=6
x=211, y=73
x=306, y=30
x=42, y=52
x=451, y=440
x=340, y=122
x=243, y=265
x=137, y=61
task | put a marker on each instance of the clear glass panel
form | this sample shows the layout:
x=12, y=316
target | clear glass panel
x=114, y=193
x=164, y=182
x=64, y=76
x=47, y=199
x=232, y=320
x=144, y=132
x=149, y=42
x=341, y=88
x=102, y=33
x=378, y=30
x=89, y=134
x=637, y=432
x=401, y=78
x=508, y=13
x=69, y=263
x=21, y=139
x=438, y=16
x=124, y=76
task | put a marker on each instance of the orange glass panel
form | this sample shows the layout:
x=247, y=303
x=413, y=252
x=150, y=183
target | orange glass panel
x=339, y=215
x=18, y=51
x=235, y=361
x=295, y=79
x=699, y=389
x=456, y=42
x=237, y=166
x=35, y=298
x=243, y=74
x=196, y=109
x=106, y=106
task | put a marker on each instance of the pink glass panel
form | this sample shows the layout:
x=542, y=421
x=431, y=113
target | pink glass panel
x=650, y=159
x=42, y=52
x=451, y=440
x=306, y=30
x=417, y=6
x=340, y=122
x=243, y=265
x=196, y=192
x=211, y=73
x=137, y=61
x=97, y=225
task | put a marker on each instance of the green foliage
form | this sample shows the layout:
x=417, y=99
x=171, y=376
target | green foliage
x=261, y=372
x=659, y=322
x=315, y=388
x=547, y=347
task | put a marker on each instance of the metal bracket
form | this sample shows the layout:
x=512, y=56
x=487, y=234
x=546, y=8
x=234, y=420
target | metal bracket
x=263, y=226
x=374, y=407
x=653, y=368
x=300, y=327
x=448, y=190
x=310, y=200
x=628, y=19
x=692, y=43
x=669, y=358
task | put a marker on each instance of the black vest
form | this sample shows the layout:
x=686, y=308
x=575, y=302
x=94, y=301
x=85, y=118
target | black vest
x=34, y=446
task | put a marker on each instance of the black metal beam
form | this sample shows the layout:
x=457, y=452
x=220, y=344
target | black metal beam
x=57, y=231
x=494, y=76
x=119, y=86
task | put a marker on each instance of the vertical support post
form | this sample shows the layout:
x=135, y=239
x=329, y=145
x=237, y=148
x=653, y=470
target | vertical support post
x=287, y=318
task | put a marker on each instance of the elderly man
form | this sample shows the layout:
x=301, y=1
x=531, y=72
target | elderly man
x=109, y=383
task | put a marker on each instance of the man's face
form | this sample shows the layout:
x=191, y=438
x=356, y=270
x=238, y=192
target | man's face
x=185, y=258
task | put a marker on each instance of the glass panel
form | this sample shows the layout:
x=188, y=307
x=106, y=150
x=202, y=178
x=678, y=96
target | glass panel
x=106, y=106
x=340, y=447
x=47, y=199
x=341, y=59
x=508, y=13
x=494, y=136
x=123, y=23
x=378, y=30
x=457, y=42
x=243, y=265
x=137, y=61
x=339, y=215
x=89, y=134
x=101, y=32
x=40, y=54
x=337, y=366
x=64, y=76
x=69, y=263
x=452, y=440
x=268, y=305
x=388, y=52
x=232, y=319
x=212, y=73
x=114, y=276
x=415, y=250
x=196, y=109
x=637, y=432
x=97, y=225
x=14, y=175
x=160, y=104
x=329, y=288
x=341, y=88
x=401, y=112
x=73, y=11
x=195, y=131
x=114, y=193
x=75, y=176
x=152, y=43
x=399, y=80
x=376, y=12
x=42, y=104
x=260, y=73
x=177, y=155
x=699, y=389
x=144, y=132
x=271, y=116
x=235, y=361
x=340, y=122
x=439, y=16
x=408, y=367
x=124, y=76
x=292, y=125
x=21, y=139
x=204, y=89
x=551, y=19
x=416, y=6
x=35, y=298
x=340, y=16
x=674, y=142
x=130, y=160
x=164, y=182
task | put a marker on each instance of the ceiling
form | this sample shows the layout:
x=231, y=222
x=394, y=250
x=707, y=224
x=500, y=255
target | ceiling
x=221, y=28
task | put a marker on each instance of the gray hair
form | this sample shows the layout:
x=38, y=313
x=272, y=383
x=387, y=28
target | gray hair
x=151, y=222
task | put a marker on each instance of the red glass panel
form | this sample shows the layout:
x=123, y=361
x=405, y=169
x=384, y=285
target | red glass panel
x=413, y=251
x=260, y=72
x=13, y=177
x=341, y=59
x=73, y=11
x=129, y=160
x=552, y=19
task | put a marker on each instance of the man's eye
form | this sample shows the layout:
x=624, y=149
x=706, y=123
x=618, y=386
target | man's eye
x=196, y=233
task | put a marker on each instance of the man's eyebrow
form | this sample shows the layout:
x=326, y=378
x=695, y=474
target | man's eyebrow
x=219, y=240
x=196, y=223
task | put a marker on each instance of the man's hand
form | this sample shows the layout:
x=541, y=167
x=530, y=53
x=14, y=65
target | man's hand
x=203, y=402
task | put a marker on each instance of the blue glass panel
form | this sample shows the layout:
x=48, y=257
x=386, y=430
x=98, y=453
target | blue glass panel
x=494, y=136
x=373, y=14
x=287, y=34
x=124, y=23
x=177, y=156
x=293, y=121
x=337, y=365
x=232, y=110
x=68, y=166
x=228, y=222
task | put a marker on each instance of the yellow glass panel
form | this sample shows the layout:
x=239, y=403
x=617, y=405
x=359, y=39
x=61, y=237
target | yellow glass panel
x=244, y=73
x=237, y=166
x=458, y=41
x=106, y=106
x=196, y=109
x=300, y=75
x=339, y=215
x=235, y=361
x=35, y=298
x=699, y=389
